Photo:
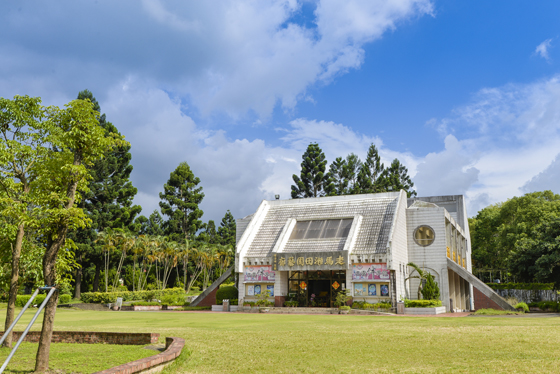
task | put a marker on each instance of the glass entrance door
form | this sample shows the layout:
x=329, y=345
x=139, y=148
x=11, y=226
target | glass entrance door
x=315, y=288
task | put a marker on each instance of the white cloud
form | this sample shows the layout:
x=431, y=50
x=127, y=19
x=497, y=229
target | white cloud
x=233, y=56
x=548, y=179
x=542, y=49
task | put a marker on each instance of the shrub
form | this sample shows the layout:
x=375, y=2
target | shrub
x=546, y=305
x=173, y=300
x=523, y=306
x=197, y=308
x=111, y=297
x=422, y=303
x=344, y=307
x=227, y=292
x=291, y=304
x=521, y=286
x=21, y=300
x=383, y=305
x=64, y=299
x=431, y=289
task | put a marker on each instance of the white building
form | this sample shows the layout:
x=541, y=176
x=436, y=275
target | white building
x=310, y=249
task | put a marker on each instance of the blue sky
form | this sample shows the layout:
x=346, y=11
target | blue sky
x=465, y=93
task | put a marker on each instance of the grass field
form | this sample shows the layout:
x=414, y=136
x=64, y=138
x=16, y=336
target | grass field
x=256, y=343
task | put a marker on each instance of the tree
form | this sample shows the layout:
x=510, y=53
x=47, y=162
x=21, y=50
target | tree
x=370, y=177
x=396, y=178
x=311, y=181
x=179, y=202
x=351, y=171
x=150, y=226
x=209, y=235
x=422, y=274
x=336, y=181
x=227, y=230
x=77, y=142
x=431, y=290
x=108, y=201
x=22, y=148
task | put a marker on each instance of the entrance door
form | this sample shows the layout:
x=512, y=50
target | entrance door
x=321, y=289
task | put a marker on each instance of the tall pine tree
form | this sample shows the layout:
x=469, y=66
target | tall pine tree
x=152, y=226
x=108, y=203
x=396, y=178
x=370, y=177
x=312, y=179
x=336, y=181
x=179, y=202
x=227, y=229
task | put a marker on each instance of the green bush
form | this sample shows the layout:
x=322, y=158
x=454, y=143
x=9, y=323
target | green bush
x=344, y=307
x=196, y=308
x=111, y=297
x=21, y=300
x=523, y=306
x=546, y=305
x=431, y=289
x=227, y=292
x=291, y=304
x=174, y=300
x=422, y=303
x=64, y=299
x=521, y=286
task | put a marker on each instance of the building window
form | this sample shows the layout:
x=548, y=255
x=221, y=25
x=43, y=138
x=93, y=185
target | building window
x=424, y=235
x=322, y=229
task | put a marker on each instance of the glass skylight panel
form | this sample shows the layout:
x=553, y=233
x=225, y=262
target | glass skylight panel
x=300, y=230
x=331, y=228
x=344, y=228
x=314, y=230
x=321, y=229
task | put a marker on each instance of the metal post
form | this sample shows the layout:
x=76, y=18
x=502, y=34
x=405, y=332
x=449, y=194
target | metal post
x=18, y=317
x=51, y=292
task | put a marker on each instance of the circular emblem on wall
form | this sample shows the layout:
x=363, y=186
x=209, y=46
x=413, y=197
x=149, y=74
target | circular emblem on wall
x=424, y=235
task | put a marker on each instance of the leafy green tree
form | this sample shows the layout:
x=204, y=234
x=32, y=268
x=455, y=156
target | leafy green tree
x=179, y=202
x=370, y=177
x=77, y=142
x=311, y=182
x=496, y=230
x=227, y=230
x=23, y=146
x=396, y=178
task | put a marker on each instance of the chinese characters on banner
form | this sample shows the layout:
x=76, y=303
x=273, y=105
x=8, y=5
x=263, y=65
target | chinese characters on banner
x=370, y=272
x=262, y=273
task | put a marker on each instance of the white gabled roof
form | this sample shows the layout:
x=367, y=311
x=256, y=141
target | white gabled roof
x=372, y=236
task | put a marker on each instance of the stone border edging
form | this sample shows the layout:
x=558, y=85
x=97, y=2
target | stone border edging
x=93, y=337
x=155, y=363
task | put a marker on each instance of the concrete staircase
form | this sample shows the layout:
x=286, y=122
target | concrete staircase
x=208, y=296
x=480, y=285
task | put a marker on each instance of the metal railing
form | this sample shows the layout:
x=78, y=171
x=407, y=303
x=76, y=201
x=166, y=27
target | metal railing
x=52, y=290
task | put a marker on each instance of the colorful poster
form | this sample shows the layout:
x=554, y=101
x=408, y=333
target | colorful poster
x=262, y=273
x=358, y=289
x=257, y=289
x=270, y=288
x=372, y=290
x=251, y=290
x=384, y=290
x=370, y=272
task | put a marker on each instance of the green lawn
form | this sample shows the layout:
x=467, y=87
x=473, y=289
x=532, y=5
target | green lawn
x=255, y=343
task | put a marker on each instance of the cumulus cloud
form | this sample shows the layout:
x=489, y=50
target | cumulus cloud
x=234, y=56
x=548, y=179
x=511, y=135
x=542, y=49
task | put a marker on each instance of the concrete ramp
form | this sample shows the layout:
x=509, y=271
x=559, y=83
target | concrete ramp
x=208, y=296
x=480, y=285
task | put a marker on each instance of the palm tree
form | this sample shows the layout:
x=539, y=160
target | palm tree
x=421, y=276
x=108, y=238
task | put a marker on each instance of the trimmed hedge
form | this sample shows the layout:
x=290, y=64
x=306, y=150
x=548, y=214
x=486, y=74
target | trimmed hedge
x=422, y=303
x=227, y=292
x=111, y=297
x=21, y=300
x=546, y=305
x=521, y=286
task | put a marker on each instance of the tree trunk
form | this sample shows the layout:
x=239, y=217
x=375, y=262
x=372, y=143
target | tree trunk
x=49, y=267
x=14, y=284
x=78, y=288
x=96, y=278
